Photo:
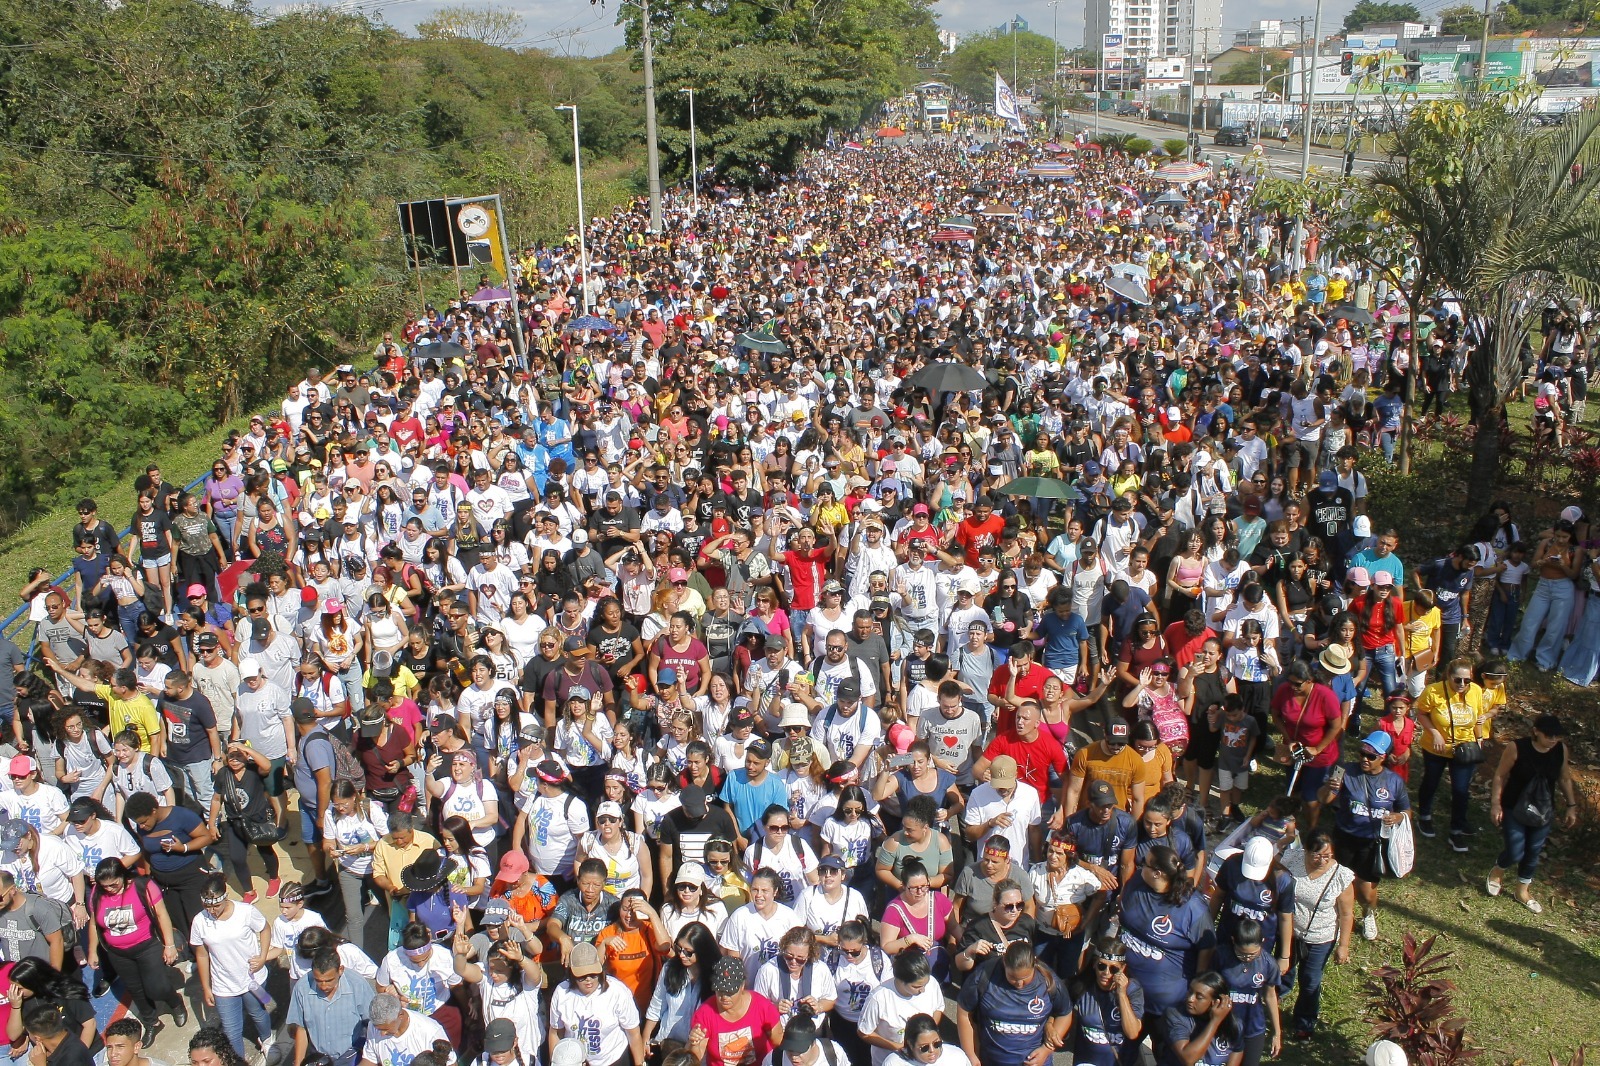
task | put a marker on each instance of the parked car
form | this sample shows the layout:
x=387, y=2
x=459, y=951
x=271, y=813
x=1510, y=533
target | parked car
x=1127, y=109
x=1235, y=135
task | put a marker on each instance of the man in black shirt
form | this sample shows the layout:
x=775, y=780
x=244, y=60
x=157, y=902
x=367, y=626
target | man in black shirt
x=742, y=500
x=614, y=525
x=686, y=830
x=1331, y=508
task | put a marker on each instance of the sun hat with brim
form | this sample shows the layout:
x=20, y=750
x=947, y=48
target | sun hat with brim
x=1335, y=660
x=425, y=874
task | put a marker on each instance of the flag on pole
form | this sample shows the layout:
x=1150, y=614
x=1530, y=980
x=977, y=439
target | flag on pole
x=1005, y=104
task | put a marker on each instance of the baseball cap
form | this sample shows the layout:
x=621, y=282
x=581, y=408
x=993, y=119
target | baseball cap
x=1358, y=576
x=585, y=960
x=496, y=912
x=831, y=862
x=22, y=765
x=1327, y=480
x=249, y=668
x=799, y=1036
x=1117, y=734
x=513, y=864
x=304, y=711
x=759, y=748
x=919, y=508
x=677, y=574
x=195, y=590
x=580, y=536
x=666, y=676
x=1003, y=771
x=1257, y=858
x=81, y=810
x=849, y=690
x=1378, y=741
x=499, y=1036
x=693, y=799
x=609, y=809
x=207, y=640
x=1101, y=794
x=690, y=873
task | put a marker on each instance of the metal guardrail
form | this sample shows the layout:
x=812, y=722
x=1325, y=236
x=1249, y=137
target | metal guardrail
x=18, y=620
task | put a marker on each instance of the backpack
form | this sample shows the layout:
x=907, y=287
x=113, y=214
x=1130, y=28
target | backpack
x=345, y=766
x=63, y=914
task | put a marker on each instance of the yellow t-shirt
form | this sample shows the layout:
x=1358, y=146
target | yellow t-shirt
x=1420, y=628
x=1457, y=718
x=138, y=714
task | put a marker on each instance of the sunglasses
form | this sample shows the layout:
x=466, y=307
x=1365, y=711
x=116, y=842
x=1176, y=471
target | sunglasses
x=1011, y=906
x=1368, y=753
x=923, y=1049
x=777, y=828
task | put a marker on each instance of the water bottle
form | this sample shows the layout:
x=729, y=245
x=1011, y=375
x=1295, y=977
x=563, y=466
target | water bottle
x=999, y=614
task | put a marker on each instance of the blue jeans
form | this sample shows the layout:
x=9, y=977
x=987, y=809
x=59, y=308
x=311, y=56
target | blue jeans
x=195, y=780
x=1380, y=665
x=1501, y=628
x=1550, y=606
x=1433, y=768
x=128, y=621
x=230, y=1013
x=226, y=524
x=1581, y=661
x=1311, y=960
x=351, y=676
x=1523, y=846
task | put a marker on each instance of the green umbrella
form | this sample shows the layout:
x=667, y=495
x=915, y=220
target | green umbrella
x=1043, y=488
x=761, y=340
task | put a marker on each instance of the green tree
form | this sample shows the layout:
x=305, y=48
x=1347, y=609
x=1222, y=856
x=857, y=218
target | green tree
x=1506, y=215
x=483, y=23
x=1373, y=12
x=973, y=64
x=773, y=77
x=1461, y=20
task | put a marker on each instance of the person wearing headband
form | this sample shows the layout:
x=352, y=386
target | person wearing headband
x=231, y=980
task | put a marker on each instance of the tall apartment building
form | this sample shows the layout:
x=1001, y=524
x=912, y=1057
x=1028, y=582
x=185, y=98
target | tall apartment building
x=1156, y=29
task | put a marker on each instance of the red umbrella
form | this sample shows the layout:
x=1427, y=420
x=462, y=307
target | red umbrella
x=891, y=131
x=946, y=236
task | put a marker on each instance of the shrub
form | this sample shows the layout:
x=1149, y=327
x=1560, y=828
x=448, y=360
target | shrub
x=1413, y=1005
x=1139, y=146
x=1175, y=146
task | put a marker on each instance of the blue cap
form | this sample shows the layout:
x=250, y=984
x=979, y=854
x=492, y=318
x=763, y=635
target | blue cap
x=1379, y=741
x=666, y=676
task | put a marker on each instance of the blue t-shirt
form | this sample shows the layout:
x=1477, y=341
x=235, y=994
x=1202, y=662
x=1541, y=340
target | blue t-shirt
x=180, y=824
x=1163, y=941
x=1248, y=983
x=1098, y=1038
x=1180, y=1025
x=1176, y=841
x=1265, y=901
x=1344, y=689
x=1448, y=585
x=1103, y=845
x=749, y=801
x=1010, y=1021
x=1063, y=639
x=1364, y=799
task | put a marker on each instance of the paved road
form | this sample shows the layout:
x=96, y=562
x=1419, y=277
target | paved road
x=1281, y=160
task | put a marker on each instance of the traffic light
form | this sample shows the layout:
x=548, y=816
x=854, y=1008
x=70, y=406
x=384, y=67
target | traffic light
x=1349, y=163
x=1347, y=63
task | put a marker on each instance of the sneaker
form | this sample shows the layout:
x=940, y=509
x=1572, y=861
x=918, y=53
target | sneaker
x=1470, y=830
x=275, y=1055
x=250, y=897
x=272, y=888
x=151, y=1031
x=1458, y=843
x=1369, y=926
x=101, y=986
x=180, y=1015
x=1425, y=826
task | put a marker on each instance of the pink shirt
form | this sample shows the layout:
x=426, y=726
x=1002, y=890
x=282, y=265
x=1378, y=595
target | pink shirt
x=738, y=1043
x=126, y=921
x=902, y=921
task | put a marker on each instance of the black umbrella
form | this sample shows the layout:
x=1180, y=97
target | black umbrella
x=443, y=352
x=1356, y=316
x=948, y=377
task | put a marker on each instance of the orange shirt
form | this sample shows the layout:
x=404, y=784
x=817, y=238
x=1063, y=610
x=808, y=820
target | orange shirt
x=1120, y=771
x=635, y=963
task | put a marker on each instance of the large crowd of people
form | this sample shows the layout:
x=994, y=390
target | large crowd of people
x=705, y=686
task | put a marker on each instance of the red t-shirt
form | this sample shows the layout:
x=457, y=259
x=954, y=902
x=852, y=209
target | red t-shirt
x=1308, y=721
x=807, y=572
x=738, y=1043
x=1030, y=686
x=1403, y=731
x=405, y=431
x=974, y=536
x=1181, y=646
x=1035, y=758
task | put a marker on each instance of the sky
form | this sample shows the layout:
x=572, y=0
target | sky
x=576, y=27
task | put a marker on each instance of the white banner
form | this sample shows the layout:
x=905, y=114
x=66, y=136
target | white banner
x=1111, y=51
x=1005, y=104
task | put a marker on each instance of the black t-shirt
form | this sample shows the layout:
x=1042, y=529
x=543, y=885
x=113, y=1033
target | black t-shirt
x=164, y=642
x=613, y=650
x=150, y=531
x=71, y=1052
x=102, y=532
x=607, y=528
x=688, y=836
x=535, y=672
x=248, y=800
x=692, y=542
x=741, y=507
x=1331, y=512
x=421, y=666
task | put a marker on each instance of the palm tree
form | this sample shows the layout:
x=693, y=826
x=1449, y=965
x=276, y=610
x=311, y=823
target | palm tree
x=1505, y=216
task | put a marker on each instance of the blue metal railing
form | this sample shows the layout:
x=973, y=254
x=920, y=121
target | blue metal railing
x=19, y=620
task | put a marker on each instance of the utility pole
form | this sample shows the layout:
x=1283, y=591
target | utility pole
x=1014, y=86
x=694, y=155
x=652, y=153
x=1055, y=64
x=1483, y=48
x=583, y=223
x=1099, y=83
x=1310, y=93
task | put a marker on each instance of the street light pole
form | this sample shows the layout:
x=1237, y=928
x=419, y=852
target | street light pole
x=694, y=157
x=1014, y=86
x=577, y=170
x=1055, y=62
x=1310, y=93
x=652, y=153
